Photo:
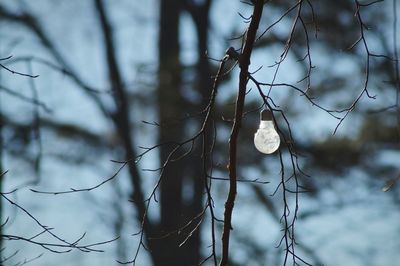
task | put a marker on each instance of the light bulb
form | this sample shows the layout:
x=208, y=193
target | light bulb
x=266, y=139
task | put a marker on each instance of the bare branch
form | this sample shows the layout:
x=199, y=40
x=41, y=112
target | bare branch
x=244, y=63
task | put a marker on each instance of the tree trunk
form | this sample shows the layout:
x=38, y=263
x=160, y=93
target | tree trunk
x=175, y=210
x=171, y=108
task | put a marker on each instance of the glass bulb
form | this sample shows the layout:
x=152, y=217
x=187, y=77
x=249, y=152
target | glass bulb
x=266, y=138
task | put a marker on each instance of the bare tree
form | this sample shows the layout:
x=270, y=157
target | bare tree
x=189, y=147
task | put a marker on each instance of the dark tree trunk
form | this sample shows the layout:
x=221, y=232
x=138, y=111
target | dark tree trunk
x=177, y=211
x=171, y=106
x=199, y=14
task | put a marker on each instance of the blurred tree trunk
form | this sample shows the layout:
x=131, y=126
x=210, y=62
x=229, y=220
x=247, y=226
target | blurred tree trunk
x=195, y=172
x=170, y=105
x=177, y=210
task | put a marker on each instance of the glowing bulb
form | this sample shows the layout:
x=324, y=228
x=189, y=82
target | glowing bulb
x=266, y=138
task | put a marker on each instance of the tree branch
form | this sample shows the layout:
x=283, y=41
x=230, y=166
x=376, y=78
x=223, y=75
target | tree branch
x=121, y=116
x=244, y=62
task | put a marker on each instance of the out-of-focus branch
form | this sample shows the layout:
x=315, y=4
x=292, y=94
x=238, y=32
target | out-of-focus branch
x=60, y=245
x=3, y=260
x=24, y=98
x=270, y=208
x=121, y=120
x=34, y=26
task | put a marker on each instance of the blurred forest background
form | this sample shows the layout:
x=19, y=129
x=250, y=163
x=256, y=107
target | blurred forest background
x=118, y=77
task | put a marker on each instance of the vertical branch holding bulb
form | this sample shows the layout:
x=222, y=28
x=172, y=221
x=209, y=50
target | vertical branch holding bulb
x=244, y=62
